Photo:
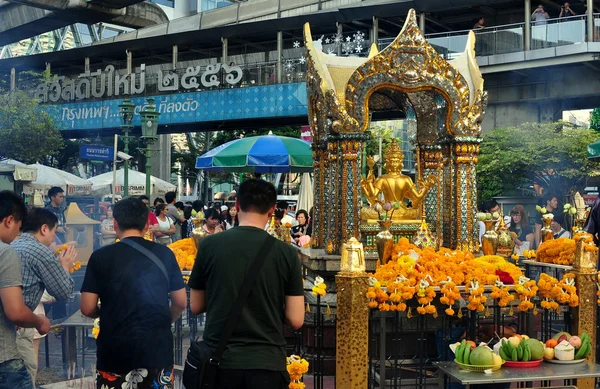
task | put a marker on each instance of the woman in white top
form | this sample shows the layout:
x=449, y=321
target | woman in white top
x=107, y=229
x=165, y=224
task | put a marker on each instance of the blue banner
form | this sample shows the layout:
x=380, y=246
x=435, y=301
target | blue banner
x=99, y=153
x=266, y=101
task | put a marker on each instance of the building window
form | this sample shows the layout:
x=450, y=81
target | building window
x=167, y=3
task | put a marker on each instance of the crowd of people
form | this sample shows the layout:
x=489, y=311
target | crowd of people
x=135, y=287
x=525, y=235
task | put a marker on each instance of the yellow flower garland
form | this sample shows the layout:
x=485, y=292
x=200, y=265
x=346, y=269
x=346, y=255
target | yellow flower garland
x=296, y=367
x=396, y=282
x=185, y=251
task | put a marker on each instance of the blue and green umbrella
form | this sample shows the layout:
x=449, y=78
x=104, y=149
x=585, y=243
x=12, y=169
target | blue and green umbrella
x=259, y=154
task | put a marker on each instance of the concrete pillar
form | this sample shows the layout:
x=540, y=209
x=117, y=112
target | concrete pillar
x=161, y=160
x=340, y=31
x=375, y=30
x=279, y=71
x=175, y=56
x=86, y=65
x=48, y=68
x=129, y=62
x=590, y=20
x=527, y=26
x=224, y=48
x=13, y=79
x=422, y=22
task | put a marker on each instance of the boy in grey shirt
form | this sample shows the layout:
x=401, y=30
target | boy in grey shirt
x=13, y=312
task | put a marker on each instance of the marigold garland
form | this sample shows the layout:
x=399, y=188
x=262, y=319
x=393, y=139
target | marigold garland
x=548, y=288
x=320, y=288
x=450, y=295
x=526, y=289
x=559, y=251
x=476, y=298
x=96, y=329
x=296, y=367
x=396, y=282
x=185, y=251
x=529, y=254
x=75, y=265
x=501, y=293
x=568, y=292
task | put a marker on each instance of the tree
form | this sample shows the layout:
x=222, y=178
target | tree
x=29, y=134
x=550, y=155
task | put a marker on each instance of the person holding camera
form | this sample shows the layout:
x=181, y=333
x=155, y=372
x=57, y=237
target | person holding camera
x=566, y=11
x=540, y=16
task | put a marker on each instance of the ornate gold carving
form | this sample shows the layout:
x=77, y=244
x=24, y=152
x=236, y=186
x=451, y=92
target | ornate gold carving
x=352, y=330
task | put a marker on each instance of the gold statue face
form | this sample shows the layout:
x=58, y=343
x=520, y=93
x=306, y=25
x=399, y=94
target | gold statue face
x=393, y=158
x=394, y=164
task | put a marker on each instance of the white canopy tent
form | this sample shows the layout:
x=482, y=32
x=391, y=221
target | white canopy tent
x=102, y=184
x=47, y=177
x=305, y=197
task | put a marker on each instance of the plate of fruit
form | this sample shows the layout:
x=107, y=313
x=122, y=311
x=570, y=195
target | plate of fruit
x=521, y=351
x=468, y=356
x=567, y=349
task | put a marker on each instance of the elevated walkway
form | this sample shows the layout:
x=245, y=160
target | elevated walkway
x=27, y=18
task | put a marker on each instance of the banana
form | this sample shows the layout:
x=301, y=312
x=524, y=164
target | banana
x=459, y=351
x=467, y=354
x=502, y=353
x=584, y=350
x=588, y=350
x=508, y=347
x=520, y=352
x=513, y=354
x=526, y=353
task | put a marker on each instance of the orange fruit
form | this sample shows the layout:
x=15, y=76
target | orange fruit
x=551, y=343
x=518, y=336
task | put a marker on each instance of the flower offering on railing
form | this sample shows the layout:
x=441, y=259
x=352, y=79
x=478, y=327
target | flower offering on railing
x=415, y=273
x=526, y=290
x=185, y=251
x=296, y=367
x=320, y=288
x=559, y=251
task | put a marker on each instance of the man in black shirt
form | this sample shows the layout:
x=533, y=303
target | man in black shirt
x=255, y=356
x=135, y=345
x=57, y=198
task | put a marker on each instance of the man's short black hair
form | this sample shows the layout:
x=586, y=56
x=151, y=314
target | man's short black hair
x=549, y=196
x=37, y=217
x=144, y=197
x=54, y=191
x=170, y=197
x=179, y=205
x=198, y=205
x=282, y=204
x=12, y=205
x=490, y=204
x=211, y=213
x=131, y=214
x=158, y=200
x=257, y=195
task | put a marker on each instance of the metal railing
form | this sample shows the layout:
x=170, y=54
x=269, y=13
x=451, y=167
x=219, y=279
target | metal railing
x=510, y=38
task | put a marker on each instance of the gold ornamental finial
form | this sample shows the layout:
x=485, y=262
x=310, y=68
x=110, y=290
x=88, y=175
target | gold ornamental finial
x=393, y=151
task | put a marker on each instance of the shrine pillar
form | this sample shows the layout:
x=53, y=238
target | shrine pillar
x=586, y=279
x=459, y=175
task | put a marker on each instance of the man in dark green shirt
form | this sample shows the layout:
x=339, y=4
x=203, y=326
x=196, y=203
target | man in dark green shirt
x=255, y=356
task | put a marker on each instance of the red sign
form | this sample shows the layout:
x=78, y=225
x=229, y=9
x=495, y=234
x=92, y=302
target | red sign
x=590, y=199
x=305, y=133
